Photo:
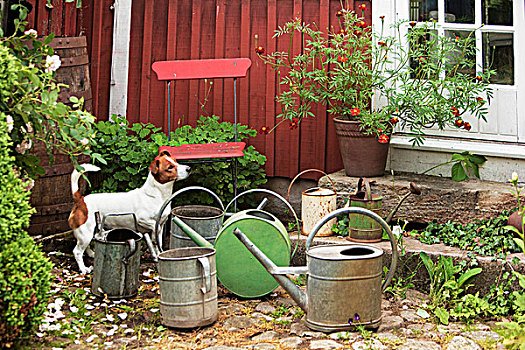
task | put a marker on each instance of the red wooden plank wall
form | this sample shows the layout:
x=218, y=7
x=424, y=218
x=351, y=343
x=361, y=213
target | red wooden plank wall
x=194, y=29
x=94, y=20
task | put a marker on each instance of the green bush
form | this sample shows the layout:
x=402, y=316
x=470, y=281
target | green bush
x=24, y=271
x=129, y=149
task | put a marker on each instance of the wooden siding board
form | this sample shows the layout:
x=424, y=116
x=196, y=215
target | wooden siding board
x=31, y=16
x=135, y=61
x=146, y=73
x=243, y=83
x=70, y=19
x=56, y=18
x=271, y=82
x=195, y=54
x=42, y=18
x=218, y=84
x=171, y=53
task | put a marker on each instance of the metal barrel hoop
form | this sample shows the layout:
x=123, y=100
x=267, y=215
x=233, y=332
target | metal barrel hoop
x=262, y=190
x=304, y=172
x=156, y=232
x=371, y=214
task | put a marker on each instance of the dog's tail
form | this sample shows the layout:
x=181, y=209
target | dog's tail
x=75, y=176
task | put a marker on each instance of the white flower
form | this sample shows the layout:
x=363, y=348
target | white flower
x=90, y=339
x=31, y=32
x=84, y=141
x=73, y=309
x=397, y=231
x=110, y=317
x=514, y=177
x=123, y=315
x=52, y=63
x=10, y=123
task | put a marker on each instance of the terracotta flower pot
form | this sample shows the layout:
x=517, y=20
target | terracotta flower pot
x=362, y=154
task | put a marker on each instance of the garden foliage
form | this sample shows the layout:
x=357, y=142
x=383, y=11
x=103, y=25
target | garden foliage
x=129, y=149
x=24, y=270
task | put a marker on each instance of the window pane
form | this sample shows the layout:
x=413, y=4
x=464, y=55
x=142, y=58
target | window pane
x=423, y=10
x=498, y=54
x=498, y=12
x=459, y=11
x=420, y=49
x=468, y=48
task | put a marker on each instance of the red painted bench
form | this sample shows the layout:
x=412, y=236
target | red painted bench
x=205, y=69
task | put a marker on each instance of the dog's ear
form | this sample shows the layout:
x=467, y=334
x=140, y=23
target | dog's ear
x=154, y=166
x=164, y=153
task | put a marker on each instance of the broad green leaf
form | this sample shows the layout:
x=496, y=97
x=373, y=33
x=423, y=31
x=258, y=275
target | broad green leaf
x=428, y=264
x=442, y=314
x=422, y=313
x=468, y=276
x=458, y=173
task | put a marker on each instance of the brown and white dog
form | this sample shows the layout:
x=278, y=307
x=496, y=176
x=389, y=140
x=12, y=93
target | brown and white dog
x=145, y=202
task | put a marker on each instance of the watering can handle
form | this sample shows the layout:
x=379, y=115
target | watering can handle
x=157, y=234
x=206, y=283
x=282, y=199
x=371, y=214
x=304, y=172
x=132, y=249
x=368, y=190
x=101, y=227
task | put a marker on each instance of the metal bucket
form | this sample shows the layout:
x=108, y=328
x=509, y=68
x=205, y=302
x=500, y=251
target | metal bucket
x=315, y=204
x=188, y=287
x=117, y=263
x=351, y=275
x=362, y=228
x=202, y=218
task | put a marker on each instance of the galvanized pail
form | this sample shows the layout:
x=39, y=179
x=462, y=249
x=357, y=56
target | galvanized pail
x=188, y=287
x=117, y=263
x=362, y=228
x=316, y=203
x=202, y=218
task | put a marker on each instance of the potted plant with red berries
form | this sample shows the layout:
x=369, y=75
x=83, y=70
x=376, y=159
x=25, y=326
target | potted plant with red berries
x=372, y=82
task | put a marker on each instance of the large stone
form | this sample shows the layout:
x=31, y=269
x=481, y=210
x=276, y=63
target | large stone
x=441, y=198
x=300, y=329
x=410, y=316
x=238, y=322
x=324, y=344
x=291, y=342
x=412, y=344
x=390, y=323
x=462, y=343
x=270, y=335
x=265, y=307
x=369, y=344
x=482, y=336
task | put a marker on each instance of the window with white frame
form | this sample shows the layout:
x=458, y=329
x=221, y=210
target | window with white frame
x=494, y=39
x=498, y=27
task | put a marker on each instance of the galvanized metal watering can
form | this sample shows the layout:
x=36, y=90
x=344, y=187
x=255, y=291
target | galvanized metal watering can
x=344, y=280
x=117, y=261
x=316, y=202
x=237, y=269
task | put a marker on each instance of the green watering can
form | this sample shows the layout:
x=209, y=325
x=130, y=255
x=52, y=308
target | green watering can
x=237, y=269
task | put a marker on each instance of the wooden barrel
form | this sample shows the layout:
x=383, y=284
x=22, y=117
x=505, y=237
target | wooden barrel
x=51, y=195
x=74, y=70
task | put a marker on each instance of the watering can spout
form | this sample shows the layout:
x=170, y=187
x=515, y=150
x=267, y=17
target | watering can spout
x=277, y=272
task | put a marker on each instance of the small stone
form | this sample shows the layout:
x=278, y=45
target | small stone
x=262, y=316
x=390, y=323
x=299, y=328
x=291, y=342
x=388, y=336
x=265, y=307
x=412, y=344
x=385, y=304
x=451, y=328
x=462, y=343
x=222, y=347
x=285, y=301
x=270, y=335
x=368, y=344
x=406, y=332
x=232, y=309
x=345, y=335
x=324, y=344
x=416, y=296
x=482, y=336
x=421, y=327
x=410, y=316
x=260, y=346
x=238, y=322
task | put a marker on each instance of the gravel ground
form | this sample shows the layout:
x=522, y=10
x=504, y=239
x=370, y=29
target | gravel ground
x=76, y=319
